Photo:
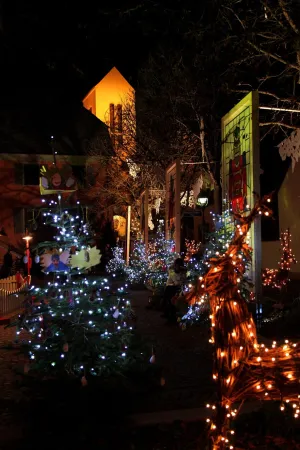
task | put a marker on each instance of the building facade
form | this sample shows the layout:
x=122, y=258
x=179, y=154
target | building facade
x=20, y=198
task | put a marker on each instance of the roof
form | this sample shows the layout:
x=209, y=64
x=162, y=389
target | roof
x=124, y=72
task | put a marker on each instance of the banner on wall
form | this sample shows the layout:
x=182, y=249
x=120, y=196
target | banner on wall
x=241, y=169
x=173, y=206
x=54, y=179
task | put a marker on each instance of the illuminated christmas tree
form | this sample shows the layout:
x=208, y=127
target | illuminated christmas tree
x=76, y=325
x=139, y=266
x=278, y=278
x=161, y=255
x=116, y=266
x=287, y=257
x=217, y=245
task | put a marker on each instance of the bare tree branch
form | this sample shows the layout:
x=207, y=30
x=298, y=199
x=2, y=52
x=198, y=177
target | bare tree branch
x=275, y=57
x=279, y=124
x=287, y=16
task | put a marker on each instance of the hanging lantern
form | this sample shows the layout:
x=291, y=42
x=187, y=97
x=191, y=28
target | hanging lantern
x=25, y=259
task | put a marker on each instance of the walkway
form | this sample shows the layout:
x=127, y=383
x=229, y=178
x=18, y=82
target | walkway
x=185, y=358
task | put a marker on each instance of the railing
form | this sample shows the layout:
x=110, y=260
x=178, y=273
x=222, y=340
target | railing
x=10, y=300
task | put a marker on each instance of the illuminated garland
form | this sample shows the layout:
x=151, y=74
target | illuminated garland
x=242, y=368
x=278, y=278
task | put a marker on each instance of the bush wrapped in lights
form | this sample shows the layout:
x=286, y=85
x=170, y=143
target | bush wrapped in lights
x=279, y=278
x=242, y=368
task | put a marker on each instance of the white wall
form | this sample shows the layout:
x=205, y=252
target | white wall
x=289, y=210
x=271, y=254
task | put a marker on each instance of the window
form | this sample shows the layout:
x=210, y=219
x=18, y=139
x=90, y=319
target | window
x=116, y=124
x=31, y=174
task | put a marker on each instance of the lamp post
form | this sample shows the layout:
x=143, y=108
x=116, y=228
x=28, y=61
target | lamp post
x=27, y=238
x=128, y=235
x=202, y=201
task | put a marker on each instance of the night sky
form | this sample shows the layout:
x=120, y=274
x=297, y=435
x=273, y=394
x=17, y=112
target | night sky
x=58, y=51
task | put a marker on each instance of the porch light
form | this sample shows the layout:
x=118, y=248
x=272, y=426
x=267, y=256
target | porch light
x=202, y=201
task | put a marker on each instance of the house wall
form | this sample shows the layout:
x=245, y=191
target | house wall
x=289, y=210
x=13, y=198
x=16, y=197
x=113, y=88
x=271, y=254
x=198, y=221
x=90, y=101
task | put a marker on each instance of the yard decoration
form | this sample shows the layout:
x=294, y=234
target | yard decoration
x=243, y=368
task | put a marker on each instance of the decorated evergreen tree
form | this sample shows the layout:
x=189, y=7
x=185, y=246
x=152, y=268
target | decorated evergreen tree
x=161, y=256
x=116, y=266
x=137, y=270
x=218, y=241
x=76, y=325
x=217, y=244
x=193, y=261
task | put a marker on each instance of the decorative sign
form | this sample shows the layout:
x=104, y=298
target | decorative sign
x=55, y=262
x=54, y=179
x=241, y=169
x=120, y=226
x=86, y=258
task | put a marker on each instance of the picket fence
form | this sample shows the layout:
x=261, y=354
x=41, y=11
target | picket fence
x=10, y=300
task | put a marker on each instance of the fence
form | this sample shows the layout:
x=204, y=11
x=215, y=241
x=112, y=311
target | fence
x=10, y=300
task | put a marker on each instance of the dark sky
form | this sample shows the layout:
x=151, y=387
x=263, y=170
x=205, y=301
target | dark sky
x=61, y=49
x=69, y=46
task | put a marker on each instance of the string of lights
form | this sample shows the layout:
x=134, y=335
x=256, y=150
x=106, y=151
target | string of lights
x=279, y=278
